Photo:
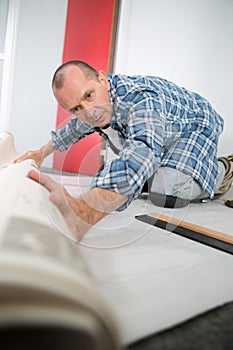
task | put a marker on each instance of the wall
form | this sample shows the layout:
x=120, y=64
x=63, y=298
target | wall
x=95, y=48
x=186, y=41
x=40, y=38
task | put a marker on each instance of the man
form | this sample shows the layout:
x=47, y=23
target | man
x=160, y=131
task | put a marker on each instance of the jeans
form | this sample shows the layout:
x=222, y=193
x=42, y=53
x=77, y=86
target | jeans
x=173, y=189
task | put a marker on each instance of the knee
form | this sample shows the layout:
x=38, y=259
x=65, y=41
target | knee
x=168, y=201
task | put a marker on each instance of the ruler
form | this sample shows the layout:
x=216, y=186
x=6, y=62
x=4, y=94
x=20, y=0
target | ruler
x=204, y=235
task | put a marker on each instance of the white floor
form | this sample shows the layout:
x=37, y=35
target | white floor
x=152, y=278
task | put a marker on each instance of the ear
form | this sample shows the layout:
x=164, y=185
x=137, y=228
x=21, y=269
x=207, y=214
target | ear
x=103, y=79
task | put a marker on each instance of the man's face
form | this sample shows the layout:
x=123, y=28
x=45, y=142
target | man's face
x=89, y=100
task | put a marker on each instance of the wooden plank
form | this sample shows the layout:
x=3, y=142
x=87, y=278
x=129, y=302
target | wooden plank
x=204, y=235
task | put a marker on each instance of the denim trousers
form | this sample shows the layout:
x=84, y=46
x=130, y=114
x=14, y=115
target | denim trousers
x=171, y=188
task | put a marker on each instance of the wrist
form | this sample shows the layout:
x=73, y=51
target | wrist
x=46, y=150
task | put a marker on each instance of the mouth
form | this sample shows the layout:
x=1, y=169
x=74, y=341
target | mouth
x=97, y=120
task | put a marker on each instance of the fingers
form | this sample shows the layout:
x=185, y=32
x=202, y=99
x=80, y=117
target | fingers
x=35, y=155
x=60, y=197
x=44, y=180
x=20, y=159
x=34, y=175
x=57, y=192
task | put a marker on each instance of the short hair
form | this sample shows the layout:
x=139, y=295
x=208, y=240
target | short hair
x=59, y=75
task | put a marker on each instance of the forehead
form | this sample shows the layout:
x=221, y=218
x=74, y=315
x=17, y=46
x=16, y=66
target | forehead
x=74, y=80
x=73, y=74
x=74, y=88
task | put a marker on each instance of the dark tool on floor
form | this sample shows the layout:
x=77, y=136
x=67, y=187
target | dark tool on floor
x=204, y=235
x=229, y=203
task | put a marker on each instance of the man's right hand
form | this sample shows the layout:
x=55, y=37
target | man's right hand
x=38, y=155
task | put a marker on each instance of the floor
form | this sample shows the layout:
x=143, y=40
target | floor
x=153, y=279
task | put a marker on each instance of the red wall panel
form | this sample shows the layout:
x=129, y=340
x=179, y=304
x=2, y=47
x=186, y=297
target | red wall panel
x=88, y=38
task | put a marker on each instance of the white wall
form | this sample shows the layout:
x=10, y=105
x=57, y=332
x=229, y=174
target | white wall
x=39, y=48
x=187, y=41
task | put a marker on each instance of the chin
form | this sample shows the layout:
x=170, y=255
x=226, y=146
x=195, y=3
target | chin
x=104, y=124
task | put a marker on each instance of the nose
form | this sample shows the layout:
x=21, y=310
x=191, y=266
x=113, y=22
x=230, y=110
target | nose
x=88, y=110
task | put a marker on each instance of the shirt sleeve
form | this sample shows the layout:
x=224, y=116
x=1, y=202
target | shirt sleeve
x=141, y=154
x=71, y=133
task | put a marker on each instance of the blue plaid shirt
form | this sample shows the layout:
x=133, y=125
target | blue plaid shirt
x=159, y=124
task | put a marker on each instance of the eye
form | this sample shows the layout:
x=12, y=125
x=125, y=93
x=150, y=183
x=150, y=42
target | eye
x=90, y=95
x=75, y=109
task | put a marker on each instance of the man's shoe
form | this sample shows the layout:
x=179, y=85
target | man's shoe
x=228, y=178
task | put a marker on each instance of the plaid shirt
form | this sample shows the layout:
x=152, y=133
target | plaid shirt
x=159, y=124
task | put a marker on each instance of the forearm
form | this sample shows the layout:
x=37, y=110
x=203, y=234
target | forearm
x=46, y=150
